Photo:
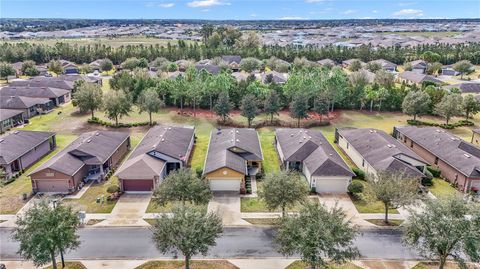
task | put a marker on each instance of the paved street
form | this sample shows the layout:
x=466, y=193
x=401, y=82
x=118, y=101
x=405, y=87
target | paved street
x=135, y=243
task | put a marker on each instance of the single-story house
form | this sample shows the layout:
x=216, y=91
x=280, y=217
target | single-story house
x=467, y=87
x=419, y=66
x=410, y=77
x=162, y=150
x=72, y=78
x=233, y=61
x=54, y=82
x=458, y=160
x=20, y=149
x=386, y=65
x=69, y=67
x=210, y=68
x=95, y=65
x=183, y=64
x=310, y=153
x=347, y=63
x=89, y=158
x=29, y=105
x=234, y=157
x=326, y=62
x=273, y=76
x=447, y=70
x=374, y=150
x=240, y=76
x=10, y=118
x=57, y=96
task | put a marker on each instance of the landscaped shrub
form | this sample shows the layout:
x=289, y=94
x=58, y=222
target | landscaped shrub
x=96, y=120
x=355, y=187
x=199, y=172
x=427, y=181
x=359, y=173
x=113, y=189
x=434, y=171
x=441, y=125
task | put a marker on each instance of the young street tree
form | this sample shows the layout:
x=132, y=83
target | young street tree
x=182, y=185
x=463, y=67
x=450, y=106
x=470, y=106
x=445, y=228
x=393, y=188
x=88, y=97
x=272, y=104
x=416, y=103
x=283, y=189
x=299, y=108
x=150, y=102
x=29, y=68
x=223, y=105
x=44, y=231
x=188, y=231
x=117, y=104
x=249, y=108
x=318, y=234
x=55, y=66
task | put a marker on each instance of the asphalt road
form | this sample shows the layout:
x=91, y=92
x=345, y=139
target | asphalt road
x=135, y=243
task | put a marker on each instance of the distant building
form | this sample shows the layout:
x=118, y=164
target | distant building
x=467, y=87
x=410, y=77
x=386, y=65
x=419, y=66
x=57, y=96
x=10, y=118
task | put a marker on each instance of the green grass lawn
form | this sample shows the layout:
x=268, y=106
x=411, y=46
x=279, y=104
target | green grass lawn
x=88, y=201
x=372, y=207
x=270, y=156
x=11, y=194
x=153, y=208
x=197, y=264
x=302, y=265
x=255, y=204
x=442, y=188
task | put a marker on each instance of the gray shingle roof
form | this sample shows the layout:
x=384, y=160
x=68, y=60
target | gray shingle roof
x=21, y=102
x=232, y=148
x=384, y=63
x=90, y=148
x=36, y=92
x=418, y=78
x=17, y=143
x=463, y=156
x=210, y=68
x=379, y=149
x=172, y=141
x=232, y=59
x=53, y=82
x=468, y=87
x=9, y=113
x=312, y=148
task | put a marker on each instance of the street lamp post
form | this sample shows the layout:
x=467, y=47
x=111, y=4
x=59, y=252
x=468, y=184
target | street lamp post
x=55, y=202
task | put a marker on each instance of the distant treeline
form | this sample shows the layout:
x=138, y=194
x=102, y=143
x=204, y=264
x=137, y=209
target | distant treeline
x=16, y=52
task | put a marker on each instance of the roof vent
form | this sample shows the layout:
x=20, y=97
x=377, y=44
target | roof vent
x=390, y=146
x=238, y=140
x=300, y=141
x=371, y=131
x=16, y=132
x=1, y=140
x=466, y=155
x=291, y=135
x=163, y=139
x=89, y=140
x=97, y=133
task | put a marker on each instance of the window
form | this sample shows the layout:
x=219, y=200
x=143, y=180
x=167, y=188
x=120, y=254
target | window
x=411, y=143
x=436, y=160
x=363, y=162
x=348, y=145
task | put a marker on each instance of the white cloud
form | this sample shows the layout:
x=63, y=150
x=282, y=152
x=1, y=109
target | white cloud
x=293, y=18
x=409, y=12
x=253, y=15
x=375, y=11
x=207, y=3
x=349, y=11
x=366, y=18
x=166, y=5
x=321, y=11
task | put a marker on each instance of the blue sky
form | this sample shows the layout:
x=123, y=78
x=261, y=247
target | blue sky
x=239, y=9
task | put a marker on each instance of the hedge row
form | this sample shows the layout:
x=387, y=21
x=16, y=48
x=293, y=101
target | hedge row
x=441, y=125
x=120, y=125
x=275, y=123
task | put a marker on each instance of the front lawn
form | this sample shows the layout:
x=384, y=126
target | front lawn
x=88, y=201
x=255, y=204
x=302, y=265
x=153, y=208
x=197, y=264
x=270, y=157
x=371, y=207
x=69, y=265
x=442, y=188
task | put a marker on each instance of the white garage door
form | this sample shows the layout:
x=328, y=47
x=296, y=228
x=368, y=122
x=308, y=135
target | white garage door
x=225, y=184
x=332, y=185
x=59, y=186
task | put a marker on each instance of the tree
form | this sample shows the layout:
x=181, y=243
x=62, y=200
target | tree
x=223, y=106
x=318, y=234
x=250, y=64
x=29, y=68
x=55, y=66
x=188, y=231
x=85, y=69
x=106, y=65
x=393, y=188
x=430, y=56
x=150, y=102
x=384, y=79
x=371, y=94
x=283, y=189
x=272, y=104
x=450, y=106
x=355, y=66
x=299, y=108
x=130, y=63
x=443, y=230
x=374, y=66
x=249, y=108
x=470, y=106
x=321, y=105
x=45, y=231
x=6, y=70
x=182, y=185
x=88, y=97
x=416, y=103
x=117, y=104
x=434, y=68
x=463, y=67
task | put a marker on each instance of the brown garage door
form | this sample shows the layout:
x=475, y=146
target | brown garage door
x=137, y=184
x=45, y=185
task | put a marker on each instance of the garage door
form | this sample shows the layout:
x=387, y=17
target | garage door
x=332, y=185
x=137, y=184
x=225, y=185
x=59, y=186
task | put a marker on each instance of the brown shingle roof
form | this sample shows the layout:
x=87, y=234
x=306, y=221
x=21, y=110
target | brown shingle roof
x=17, y=143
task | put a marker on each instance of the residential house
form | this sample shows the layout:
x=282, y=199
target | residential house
x=272, y=77
x=234, y=157
x=310, y=153
x=96, y=65
x=347, y=63
x=410, y=77
x=30, y=106
x=374, y=150
x=20, y=149
x=326, y=62
x=57, y=96
x=53, y=82
x=467, y=87
x=89, y=158
x=162, y=150
x=10, y=118
x=233, y=61
x=447, y=70
x=210, y=68
x=458, y=160
x=386, y=65
x=475, y=137
x=419, y=66
x=69, y=67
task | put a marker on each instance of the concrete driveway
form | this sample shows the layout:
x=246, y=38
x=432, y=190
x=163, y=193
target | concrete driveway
x=227, y=206
x=128, y=211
